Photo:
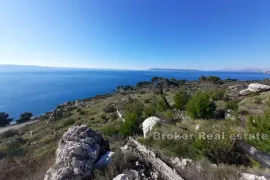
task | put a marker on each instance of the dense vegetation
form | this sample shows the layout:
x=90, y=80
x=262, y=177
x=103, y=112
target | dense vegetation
x=4, y=119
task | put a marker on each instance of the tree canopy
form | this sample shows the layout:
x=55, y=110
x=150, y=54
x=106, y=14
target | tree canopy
x=24, y=117
x=4, y=119
x=180, y=99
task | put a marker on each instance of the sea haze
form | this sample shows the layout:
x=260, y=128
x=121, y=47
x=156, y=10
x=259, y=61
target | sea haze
x=41, y=91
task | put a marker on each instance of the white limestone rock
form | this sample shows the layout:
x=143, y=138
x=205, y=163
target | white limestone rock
x=254, y=87
x=120, y=116
x=77, y=152
x=149, y=123
x=246, y=176
x=129, y=175
x=180, y=163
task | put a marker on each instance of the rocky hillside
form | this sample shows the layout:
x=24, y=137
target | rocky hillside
x=160, y=129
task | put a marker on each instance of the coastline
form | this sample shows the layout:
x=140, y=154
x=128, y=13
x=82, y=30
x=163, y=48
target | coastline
x=16, y=126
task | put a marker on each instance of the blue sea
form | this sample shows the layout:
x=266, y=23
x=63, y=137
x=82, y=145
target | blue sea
x=40, y=92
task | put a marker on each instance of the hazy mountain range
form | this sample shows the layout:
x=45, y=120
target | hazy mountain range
x=11, y=68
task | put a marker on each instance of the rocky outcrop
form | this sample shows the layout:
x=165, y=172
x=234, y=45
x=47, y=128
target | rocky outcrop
x=246, y=176
x=255, y=87
x=148, y=124
x=262, y=157
x=78, y=150
x=120, y=116
x=237, y=87
x=165, y=171
x=130, y=174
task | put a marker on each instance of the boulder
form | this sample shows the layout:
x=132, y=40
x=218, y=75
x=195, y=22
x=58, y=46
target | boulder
x=148, y=124
x=180, y=163
x=78, y=150
x=246, y=176
x=255, y=87
x=129, y=175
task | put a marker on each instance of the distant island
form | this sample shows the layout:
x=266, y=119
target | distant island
x=20, y=68
x=169, y=69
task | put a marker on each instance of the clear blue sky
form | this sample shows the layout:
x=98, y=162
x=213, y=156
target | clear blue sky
x=136, y=34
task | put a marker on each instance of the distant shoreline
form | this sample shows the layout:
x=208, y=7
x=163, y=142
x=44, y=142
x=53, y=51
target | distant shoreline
x=16, y=126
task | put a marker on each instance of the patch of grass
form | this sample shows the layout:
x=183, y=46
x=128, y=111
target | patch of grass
x=9, y=133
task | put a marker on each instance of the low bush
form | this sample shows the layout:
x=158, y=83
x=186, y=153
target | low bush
x=9, y=133
x=217, y=94
x=147, y=101
x=113, y=116
x=161, y=105
x=131, y=125
x=135, y=107
x=233, y=105
x=4, y=119
x=109, y=109
x=201, y=106
x=25, y=117
x=180, y=99
x=103, y=117
x=68, y=122
x=14, y=148
x=150, y=110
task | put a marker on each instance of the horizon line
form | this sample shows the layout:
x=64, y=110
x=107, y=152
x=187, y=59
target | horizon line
x=251, y=69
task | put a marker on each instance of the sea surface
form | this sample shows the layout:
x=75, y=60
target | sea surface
x=40, y=92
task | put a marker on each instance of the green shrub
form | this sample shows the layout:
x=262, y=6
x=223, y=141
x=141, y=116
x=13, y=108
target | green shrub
x=233, y=105
x=113, y=116
x=82, y=112
x=25, y=117
x=201, y=106
x=217, y=94
x=180, y=99
x=147, y=101
x=109, y=109
x=150, y=110
x=110, y=130
x=131, y=124
x=4, y=119
x=68, y=122
x=135, y=107
x=9, y=133
x=169, y=115
x=14, y=148
x=103, y=116
x=161, y=105
x=211, y=79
